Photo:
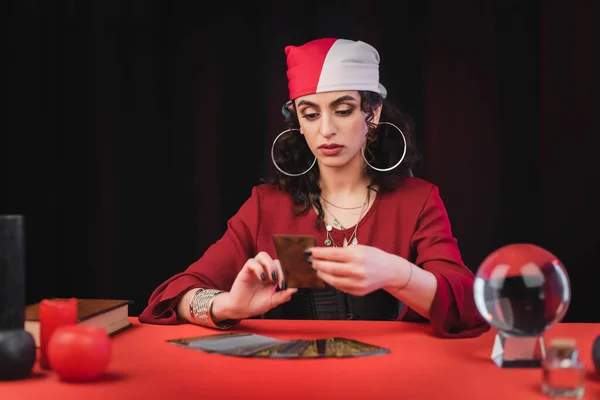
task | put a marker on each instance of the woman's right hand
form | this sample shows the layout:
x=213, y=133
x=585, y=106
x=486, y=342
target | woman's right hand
x=254, y=290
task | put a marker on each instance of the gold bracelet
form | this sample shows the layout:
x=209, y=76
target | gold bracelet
x=201, y=309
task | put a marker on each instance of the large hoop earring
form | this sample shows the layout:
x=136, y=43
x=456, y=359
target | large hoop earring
x=401, y=158
x=273, y=155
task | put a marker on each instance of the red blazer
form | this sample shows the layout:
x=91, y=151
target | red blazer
x=410, y=222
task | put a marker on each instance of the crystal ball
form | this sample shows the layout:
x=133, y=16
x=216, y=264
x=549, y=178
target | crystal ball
x=522, y=289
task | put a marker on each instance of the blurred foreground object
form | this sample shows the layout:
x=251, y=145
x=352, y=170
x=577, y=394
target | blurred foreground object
x=522, y=290
x=564, y=374
x=17, y=347
x=79, y=353
x=596, y=354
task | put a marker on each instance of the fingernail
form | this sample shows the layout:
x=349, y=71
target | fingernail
x=308, y=252
x=284, y=285
x=263, y=276
x=309, y=259
x=313, y=268
x=274, y=275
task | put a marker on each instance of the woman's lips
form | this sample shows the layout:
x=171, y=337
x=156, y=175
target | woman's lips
x=331, y=149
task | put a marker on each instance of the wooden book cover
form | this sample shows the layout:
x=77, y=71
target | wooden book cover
x=110, y=314
x=86, y=308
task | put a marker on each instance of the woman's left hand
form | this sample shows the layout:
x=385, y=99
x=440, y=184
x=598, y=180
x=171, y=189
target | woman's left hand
x=356, y=270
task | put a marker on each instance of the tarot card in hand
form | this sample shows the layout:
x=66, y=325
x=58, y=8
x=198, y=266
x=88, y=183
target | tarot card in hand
x=297, y=271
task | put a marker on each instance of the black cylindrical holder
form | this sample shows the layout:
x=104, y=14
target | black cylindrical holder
x=17, y=347
x=12, y=272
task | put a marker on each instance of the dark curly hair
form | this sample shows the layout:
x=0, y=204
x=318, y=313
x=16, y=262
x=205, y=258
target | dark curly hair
x=293, y=152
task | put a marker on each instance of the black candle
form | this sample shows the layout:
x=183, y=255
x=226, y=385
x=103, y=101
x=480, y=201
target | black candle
x=12, y=272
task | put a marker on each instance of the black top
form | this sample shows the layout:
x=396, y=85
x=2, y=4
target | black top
x=332, y=304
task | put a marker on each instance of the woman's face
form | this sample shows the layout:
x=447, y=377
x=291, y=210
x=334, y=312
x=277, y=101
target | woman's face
x=333, y=125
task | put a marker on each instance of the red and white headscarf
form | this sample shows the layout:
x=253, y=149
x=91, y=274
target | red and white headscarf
x=328, y=64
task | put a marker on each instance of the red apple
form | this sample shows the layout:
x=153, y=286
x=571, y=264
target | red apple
x=79, y=352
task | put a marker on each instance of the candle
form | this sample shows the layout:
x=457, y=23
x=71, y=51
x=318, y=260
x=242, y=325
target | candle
x=54, y=314
x=12, y=272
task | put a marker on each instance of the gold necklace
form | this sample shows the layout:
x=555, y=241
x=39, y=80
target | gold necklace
x=342, y=208
x=353, y=238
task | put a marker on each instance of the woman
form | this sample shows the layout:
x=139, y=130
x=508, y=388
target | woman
x=387, y=250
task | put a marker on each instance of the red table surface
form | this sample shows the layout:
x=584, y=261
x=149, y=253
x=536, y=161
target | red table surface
x=420, y=366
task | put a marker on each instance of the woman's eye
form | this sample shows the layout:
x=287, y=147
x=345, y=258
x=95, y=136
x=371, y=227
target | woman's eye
x=344, y=112
x=310, y=116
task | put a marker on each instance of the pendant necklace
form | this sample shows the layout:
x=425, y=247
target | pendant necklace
x=335, y=222
x=353, y=238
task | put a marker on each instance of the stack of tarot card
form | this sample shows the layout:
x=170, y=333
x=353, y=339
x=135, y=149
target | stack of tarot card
x=253, y=345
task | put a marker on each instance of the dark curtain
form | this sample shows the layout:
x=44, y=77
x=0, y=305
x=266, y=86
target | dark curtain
x=135, y=129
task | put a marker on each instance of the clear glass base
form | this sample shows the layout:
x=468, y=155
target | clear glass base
x=518, y=351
